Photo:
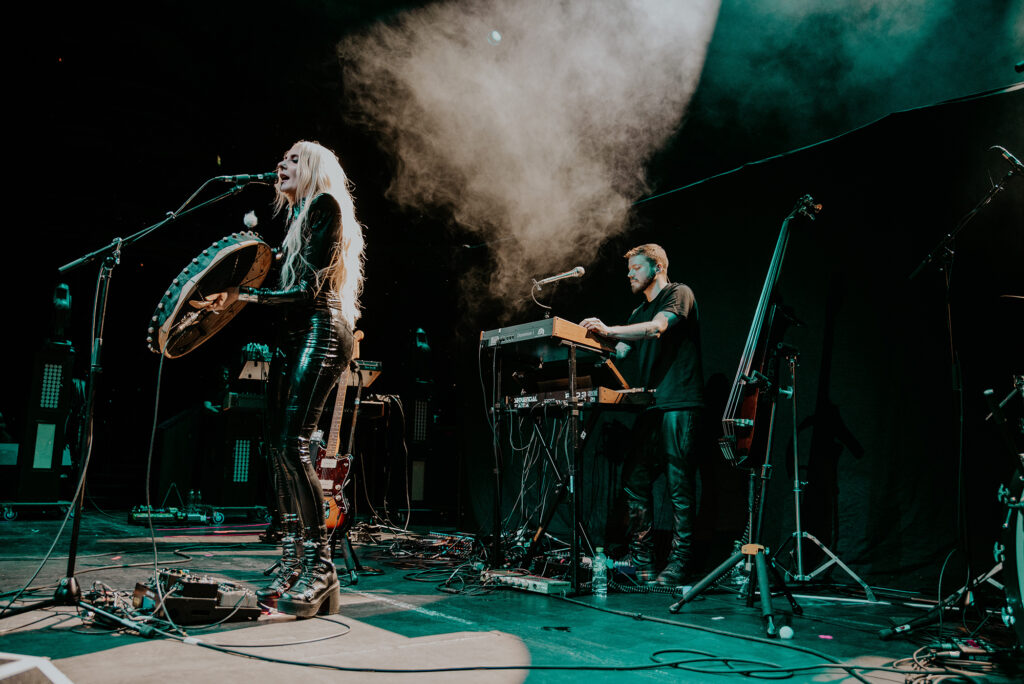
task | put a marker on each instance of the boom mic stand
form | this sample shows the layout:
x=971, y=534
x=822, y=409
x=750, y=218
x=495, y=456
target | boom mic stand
x=69, y=593
x=942, y=256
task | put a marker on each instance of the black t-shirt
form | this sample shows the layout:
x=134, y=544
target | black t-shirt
x=670, y=364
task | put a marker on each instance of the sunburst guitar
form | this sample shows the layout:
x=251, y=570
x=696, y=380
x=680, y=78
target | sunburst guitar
x=332, y=467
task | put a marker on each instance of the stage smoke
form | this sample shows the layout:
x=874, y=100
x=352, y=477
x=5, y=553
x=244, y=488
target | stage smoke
x=528, y=122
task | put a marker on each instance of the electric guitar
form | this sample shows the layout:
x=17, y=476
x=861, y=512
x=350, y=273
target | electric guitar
x=332, y=467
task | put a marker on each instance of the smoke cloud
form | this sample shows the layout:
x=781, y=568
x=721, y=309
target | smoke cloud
x=531, y=121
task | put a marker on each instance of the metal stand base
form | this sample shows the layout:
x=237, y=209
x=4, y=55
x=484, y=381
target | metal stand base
x=797, y=539
x=933, y=614
x=352, y=565
x=763, y=565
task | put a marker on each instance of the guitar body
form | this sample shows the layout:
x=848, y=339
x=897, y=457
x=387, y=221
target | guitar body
x=333, y=473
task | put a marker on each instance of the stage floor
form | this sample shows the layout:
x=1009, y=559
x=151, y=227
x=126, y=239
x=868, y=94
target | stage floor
x=402, y=620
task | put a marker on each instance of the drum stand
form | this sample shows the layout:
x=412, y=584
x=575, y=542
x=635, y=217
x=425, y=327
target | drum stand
x=754, y=552
x=68, y=592
x=791, y=354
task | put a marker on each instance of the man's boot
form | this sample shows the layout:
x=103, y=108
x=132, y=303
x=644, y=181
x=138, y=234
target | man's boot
x=641, y=539
x=675, y=572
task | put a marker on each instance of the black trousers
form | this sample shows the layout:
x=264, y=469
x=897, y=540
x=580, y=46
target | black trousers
x=663, y=440
x=314, y=352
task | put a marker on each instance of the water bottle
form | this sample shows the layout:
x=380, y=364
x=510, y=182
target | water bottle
x=599, y=578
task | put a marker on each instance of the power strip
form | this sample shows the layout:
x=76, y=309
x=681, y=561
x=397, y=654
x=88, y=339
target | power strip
x=534, y=583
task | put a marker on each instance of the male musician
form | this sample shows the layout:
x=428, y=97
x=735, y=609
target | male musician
x=661, y=345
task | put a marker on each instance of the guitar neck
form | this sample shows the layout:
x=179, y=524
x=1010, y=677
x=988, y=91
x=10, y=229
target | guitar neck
x=334, y=435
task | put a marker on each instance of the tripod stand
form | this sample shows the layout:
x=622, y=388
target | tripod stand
x=754, y=552
x=790, y=355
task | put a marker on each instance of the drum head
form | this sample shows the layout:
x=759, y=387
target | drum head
x=177, y=327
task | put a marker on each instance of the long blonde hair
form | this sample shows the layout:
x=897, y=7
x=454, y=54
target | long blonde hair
x=319, y=172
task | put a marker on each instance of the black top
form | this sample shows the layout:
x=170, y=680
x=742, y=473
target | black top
x=320, y=236
x=670, y=364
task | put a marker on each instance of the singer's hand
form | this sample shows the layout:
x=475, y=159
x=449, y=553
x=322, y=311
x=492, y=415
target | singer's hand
x=595, y=325
x=216, y=302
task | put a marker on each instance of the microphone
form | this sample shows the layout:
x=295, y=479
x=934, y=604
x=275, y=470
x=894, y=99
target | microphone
x=250, y=178
x=574, y=273
x=1014, y=162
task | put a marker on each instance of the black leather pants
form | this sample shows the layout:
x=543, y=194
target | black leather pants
x=662, y=439
x=315, y=350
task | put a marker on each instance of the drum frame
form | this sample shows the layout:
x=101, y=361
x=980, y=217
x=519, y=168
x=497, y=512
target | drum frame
x=168, y=325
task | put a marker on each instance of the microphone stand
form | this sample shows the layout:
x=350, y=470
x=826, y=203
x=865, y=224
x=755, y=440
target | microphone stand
x=533, y=295
x=69, y=593
x=942, y=254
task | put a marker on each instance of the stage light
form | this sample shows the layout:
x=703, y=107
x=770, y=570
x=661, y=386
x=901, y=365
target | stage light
x=494, y=37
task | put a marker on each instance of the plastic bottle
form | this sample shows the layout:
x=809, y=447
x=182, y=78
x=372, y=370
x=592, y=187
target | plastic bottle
x=599, y=578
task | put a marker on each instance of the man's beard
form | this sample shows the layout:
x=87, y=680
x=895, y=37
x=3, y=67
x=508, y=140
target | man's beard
x=639, y=286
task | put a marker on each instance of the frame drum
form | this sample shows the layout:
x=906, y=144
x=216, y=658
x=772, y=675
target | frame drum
x=177, y=327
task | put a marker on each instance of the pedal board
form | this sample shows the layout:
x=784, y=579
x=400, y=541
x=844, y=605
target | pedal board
x=532, y=583
x=973, y=649
x=190, y=599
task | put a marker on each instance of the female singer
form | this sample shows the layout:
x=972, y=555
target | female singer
x=321, y=279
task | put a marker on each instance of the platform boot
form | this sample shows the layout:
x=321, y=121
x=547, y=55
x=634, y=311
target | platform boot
x=288, y=569
x=317, y=590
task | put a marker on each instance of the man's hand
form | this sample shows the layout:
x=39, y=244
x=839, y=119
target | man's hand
x=661, y=322
x=595, y=326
